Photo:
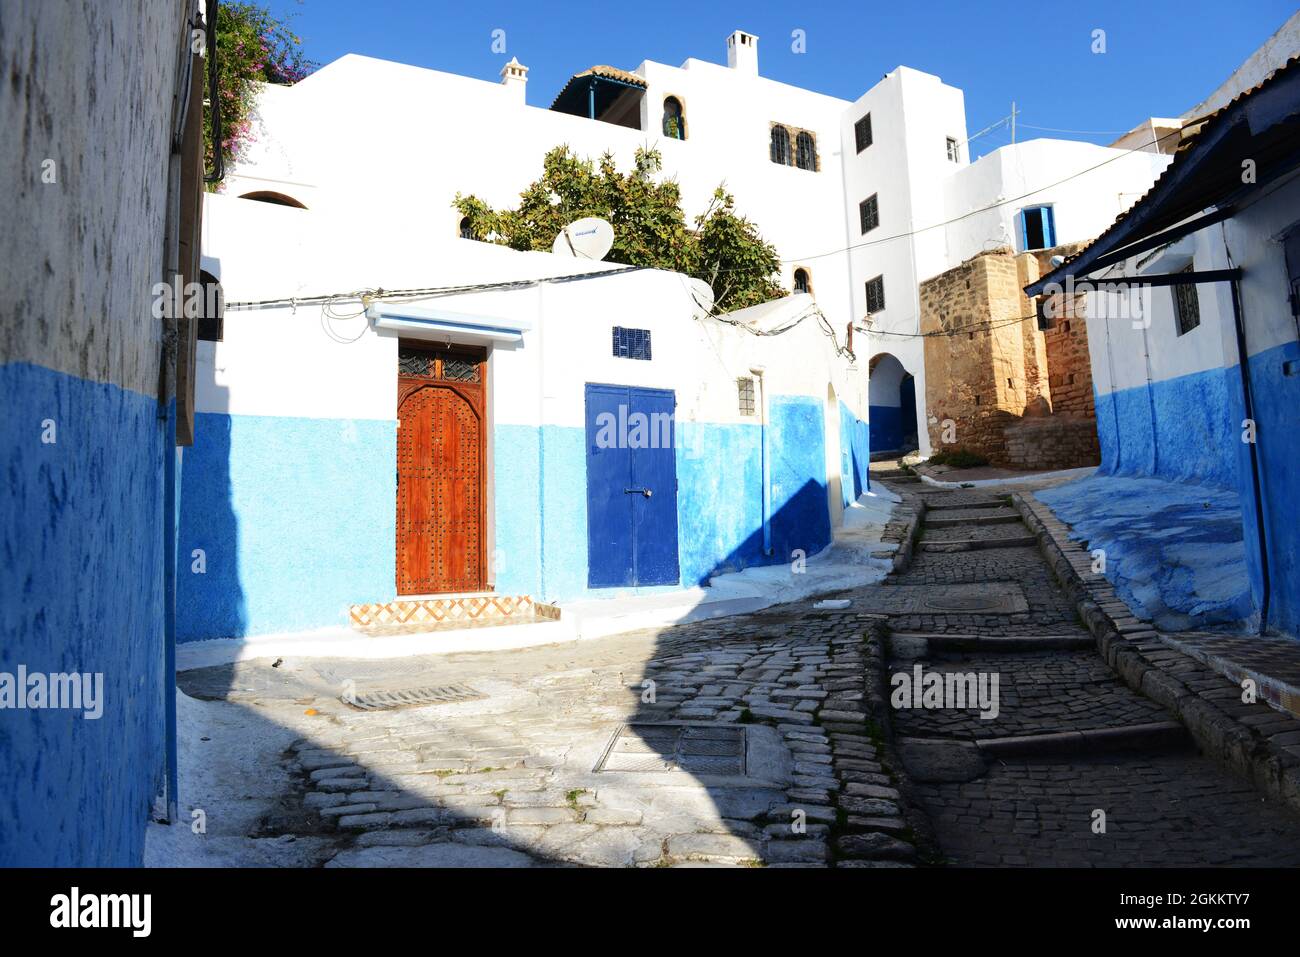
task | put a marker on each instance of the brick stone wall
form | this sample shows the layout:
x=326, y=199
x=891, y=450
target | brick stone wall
x=1051, y=442
x=1070, y=375
x=987, y=368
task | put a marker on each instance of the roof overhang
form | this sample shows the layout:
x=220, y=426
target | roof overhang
x=433, y=324
x=1262, y=127
x=594, y=92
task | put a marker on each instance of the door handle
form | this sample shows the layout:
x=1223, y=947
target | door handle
x=642, y=491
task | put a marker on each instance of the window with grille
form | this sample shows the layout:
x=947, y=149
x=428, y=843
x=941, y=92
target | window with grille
x=801, y=281
x=1187, y=306
x=780, y=148
x=466, y=231
x=805, y=151
x=416, y=362
x=631, y=343
x=876, y=294
x=954, y=150
x=745, y=391
x=862, y=132
x=869, y=213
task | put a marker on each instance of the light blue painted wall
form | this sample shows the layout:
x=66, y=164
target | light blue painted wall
x=81, y=590
x=516, y=498
x=719, y=500
x=297, y=518
x=1185, y=429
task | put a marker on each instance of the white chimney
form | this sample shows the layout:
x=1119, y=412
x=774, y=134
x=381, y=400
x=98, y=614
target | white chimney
x=742, y=52
x=514, y=77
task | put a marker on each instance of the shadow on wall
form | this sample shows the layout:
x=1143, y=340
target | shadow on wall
x=721, y=479
x=209, y=593
x=292, y=518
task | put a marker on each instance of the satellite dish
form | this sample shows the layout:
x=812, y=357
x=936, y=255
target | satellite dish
x=702, y=293
x=589, y=238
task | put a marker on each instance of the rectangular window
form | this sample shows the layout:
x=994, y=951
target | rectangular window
x=876, y=295
x=631, y=343
x=745, y=391
x=1037, y=228
x=954, y=150
x=869, y=213
x=862, y=132
x=1187, y=306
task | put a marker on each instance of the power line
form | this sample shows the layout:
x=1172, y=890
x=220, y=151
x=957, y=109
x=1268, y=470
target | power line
x=941, y=333
x=1053, y=129
x=984, y=209
x=416, y=294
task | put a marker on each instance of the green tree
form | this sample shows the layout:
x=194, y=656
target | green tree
x=252, y=47
x=650, y=228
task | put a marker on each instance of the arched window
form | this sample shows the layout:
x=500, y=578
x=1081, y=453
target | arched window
x=801, y=281
x=805, y=151
x=674, y=119
x=466, y=231
x=780, y=145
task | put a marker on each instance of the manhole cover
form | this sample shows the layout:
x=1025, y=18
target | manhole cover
x=410, y=697
x=695, y=749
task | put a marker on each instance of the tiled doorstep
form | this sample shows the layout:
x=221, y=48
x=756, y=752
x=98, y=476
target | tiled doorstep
x=1254, y=739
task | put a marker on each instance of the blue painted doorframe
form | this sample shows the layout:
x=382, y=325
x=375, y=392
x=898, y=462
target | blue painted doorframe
x=631, y=487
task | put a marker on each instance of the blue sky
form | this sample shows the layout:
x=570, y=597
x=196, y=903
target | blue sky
x=1161, y=57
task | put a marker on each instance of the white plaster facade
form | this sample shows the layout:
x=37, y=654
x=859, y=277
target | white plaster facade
x=362, y=135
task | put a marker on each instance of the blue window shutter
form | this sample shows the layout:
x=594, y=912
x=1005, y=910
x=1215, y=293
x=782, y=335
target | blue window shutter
x=1049, y=228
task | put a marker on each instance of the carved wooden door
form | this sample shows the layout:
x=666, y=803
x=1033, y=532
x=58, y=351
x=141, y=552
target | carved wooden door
x=441, y=442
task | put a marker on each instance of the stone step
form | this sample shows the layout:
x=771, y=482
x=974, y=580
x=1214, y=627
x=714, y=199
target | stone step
x=982, y=520
x=996, y=643
x=932, y=506
x=1153, y=735
x=976, y=544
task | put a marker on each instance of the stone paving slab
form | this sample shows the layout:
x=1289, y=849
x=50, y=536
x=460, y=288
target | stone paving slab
x=1250, y=737
x=1159, y=812
x=519, y=777
x=1038, y=692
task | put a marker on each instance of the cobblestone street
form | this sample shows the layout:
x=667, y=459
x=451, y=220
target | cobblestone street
x=751, y=741
x=1163, y=803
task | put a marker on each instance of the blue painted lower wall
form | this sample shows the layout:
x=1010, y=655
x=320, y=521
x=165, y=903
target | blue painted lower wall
x=719, y=498
x=81, y=589
x=1277, y=412
x=296, y=519
x=855, y=441
x=1185, y=429
x=1189, y=429
x=886, y=427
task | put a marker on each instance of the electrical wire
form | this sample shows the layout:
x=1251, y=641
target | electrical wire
x=416, y=294
x=984, y=209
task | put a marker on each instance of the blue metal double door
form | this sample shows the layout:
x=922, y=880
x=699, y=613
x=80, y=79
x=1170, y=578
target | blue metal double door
x=631, y=487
